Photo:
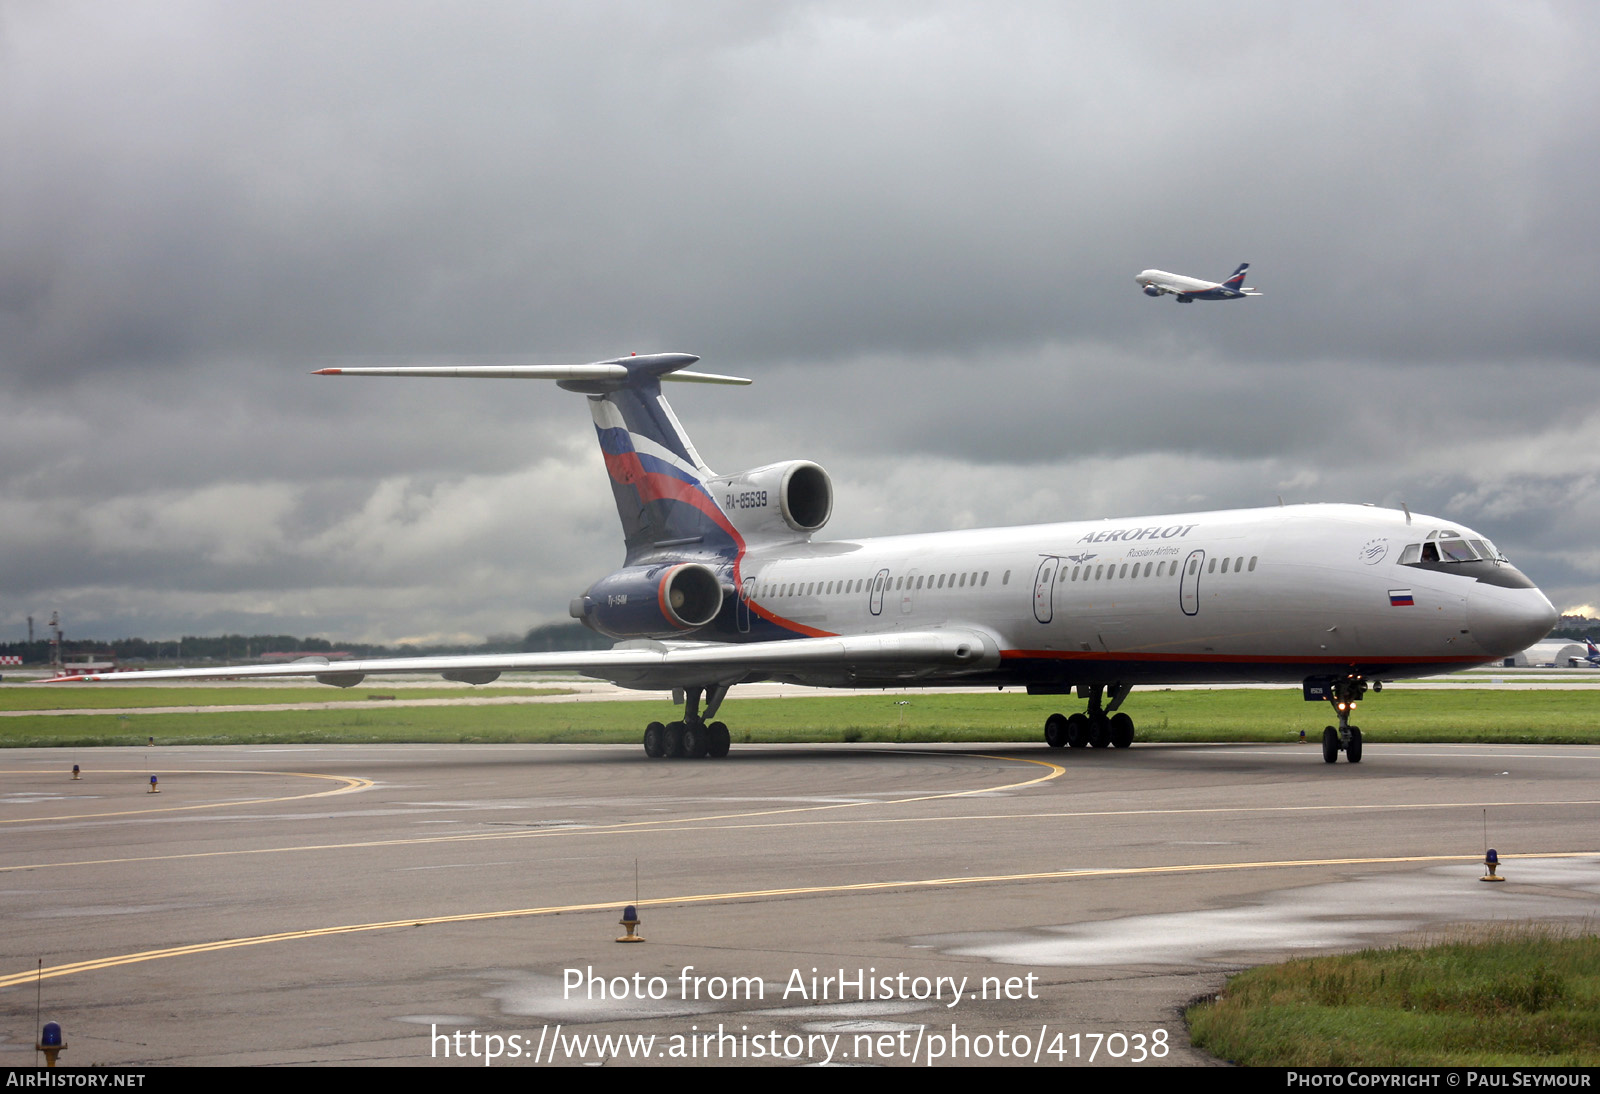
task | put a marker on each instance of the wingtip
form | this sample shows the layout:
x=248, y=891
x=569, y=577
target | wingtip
x=327, y=372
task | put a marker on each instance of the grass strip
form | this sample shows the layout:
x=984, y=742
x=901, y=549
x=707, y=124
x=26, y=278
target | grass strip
x=1244, y=715
x=113, y=696
x=1520, y=997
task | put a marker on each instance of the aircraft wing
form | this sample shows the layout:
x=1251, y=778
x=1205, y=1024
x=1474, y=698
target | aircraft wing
x=868, y=658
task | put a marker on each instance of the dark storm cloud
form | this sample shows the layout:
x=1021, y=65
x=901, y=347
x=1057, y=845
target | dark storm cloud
x=915, y=225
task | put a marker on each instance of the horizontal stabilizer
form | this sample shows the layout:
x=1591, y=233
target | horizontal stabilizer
x=613, y=373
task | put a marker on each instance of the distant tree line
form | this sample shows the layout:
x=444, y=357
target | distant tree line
x=1577, y=627
x=239, y=647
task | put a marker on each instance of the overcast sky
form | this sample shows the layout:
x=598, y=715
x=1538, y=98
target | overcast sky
x=915, y=225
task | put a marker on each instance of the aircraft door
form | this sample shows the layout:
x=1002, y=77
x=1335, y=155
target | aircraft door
x=746, y=591
x=1044, y=589
x=879, y=584
x=1189, y=588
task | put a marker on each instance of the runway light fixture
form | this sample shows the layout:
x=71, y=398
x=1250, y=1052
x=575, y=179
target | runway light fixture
x=1491, y=859
x=154, y=789
x=630, y=921
x=51, y=1042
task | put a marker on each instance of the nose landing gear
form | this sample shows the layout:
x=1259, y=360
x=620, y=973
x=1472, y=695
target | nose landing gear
x=1344, y=694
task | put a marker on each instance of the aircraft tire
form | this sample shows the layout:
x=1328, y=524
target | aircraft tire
x=1100, y=732
x=655, y=740
x=1055, y=731
x=1330, y=745
x=1121, y=730
x=673, y=740
x=1352, y=751
x=720, y=740
x=1078, y=731
x=696, y=740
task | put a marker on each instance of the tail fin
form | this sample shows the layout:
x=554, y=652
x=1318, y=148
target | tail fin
x=1236, y=279
x=657, y=477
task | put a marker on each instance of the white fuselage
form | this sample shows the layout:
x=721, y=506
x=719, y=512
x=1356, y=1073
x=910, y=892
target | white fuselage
x=1175, y=283
x=1256, y=594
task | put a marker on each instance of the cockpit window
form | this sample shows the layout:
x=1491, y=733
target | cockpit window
x=1445, y=545
x=1455, y=549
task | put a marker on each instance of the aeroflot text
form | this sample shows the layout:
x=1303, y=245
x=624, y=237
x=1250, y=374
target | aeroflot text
x=854, y=985
x=1128, y=535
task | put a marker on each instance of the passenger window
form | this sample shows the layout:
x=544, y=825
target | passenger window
x=1224, y=565
x=1212, y=568
x=1253, y=563
x=1124, y=571
x=1194, y=567
x=1005, y=578
x=1147, y=566
x=985, y=582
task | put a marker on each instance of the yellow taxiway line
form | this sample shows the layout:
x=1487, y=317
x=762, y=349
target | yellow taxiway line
x=113, y=961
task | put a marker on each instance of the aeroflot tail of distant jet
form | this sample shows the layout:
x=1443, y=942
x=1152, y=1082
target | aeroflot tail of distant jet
x=723, y=583
x=1189, y=289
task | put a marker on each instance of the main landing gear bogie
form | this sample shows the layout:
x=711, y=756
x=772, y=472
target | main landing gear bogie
x=1098, y=727
x=693, y=737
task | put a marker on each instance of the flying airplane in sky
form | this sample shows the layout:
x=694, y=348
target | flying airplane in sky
x=1189, y=289
x=723, y=583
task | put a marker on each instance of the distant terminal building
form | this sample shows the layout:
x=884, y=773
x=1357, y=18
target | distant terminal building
x=86, y=664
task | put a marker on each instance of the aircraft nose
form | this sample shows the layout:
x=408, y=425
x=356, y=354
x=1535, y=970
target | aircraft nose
x=1504, y=621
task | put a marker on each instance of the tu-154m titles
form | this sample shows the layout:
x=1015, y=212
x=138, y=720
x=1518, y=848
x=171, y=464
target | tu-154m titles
x=723, y=582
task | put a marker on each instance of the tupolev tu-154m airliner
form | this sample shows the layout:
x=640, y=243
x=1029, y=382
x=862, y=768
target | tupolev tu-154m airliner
x=724, y=583
x=1190, y=289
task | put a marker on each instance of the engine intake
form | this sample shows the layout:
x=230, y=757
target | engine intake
x=652, y=601
x=778, y=499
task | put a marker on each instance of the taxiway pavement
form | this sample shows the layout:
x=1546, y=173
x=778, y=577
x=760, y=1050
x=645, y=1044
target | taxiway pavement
x=349, y=904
